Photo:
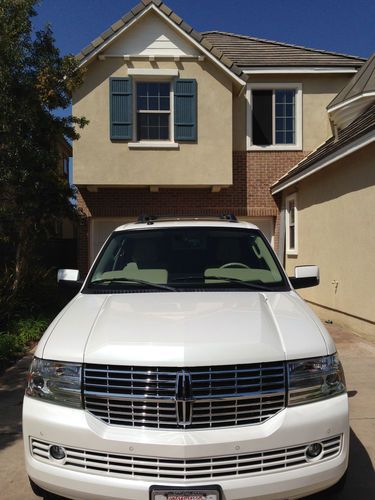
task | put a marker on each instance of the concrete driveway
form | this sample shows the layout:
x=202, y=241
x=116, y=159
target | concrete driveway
x=357, y=355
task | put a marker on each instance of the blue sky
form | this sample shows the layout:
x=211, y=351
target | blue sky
x=339, y=25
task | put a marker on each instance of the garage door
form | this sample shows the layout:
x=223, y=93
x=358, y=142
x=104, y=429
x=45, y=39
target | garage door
x=100, y=230
x=265, y=224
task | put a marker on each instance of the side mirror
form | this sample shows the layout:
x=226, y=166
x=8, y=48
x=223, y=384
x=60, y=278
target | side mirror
x=69, y=278
x=305, y=276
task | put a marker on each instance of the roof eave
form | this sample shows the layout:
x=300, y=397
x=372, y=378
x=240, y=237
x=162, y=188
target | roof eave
x=298, y=69
x=346, y=150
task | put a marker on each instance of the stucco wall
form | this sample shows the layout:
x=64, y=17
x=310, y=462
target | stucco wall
x=98, y=161
x=318, y=91
x=336, y=213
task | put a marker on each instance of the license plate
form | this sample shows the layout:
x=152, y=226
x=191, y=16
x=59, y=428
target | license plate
x=165, y=493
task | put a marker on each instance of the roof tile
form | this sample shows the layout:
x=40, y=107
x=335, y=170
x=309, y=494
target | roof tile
x=106, y=34
x=206, y=43
x=97, y=41
x=175, y=18
x=186, y=27
x=225, y=60
x=127, y=17
x=87, y=49
x=196, y=35
x=138, y=8
x=117, y=25
x=216, y=52
x=246, y=52
x=164, y=8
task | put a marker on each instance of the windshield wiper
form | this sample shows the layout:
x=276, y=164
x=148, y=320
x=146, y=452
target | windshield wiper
x=138, y=282
x=248, y=284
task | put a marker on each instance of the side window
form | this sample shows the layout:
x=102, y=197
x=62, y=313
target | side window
x=291, y=221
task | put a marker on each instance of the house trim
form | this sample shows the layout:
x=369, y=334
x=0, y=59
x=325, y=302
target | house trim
x=334, y=157
x=296, y=70
x=350, y=101
x=152, y=72
x=153, y=145
x=185, y=35
x=298, y=146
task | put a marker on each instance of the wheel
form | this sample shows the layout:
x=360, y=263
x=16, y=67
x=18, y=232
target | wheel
x=46, y=495
x=234, y=264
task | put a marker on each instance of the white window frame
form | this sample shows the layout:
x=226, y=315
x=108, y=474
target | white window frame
x=288, y=199
x=298, y=116
x=170, y=143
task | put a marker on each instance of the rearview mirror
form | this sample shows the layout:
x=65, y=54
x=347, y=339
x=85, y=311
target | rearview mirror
x=305, y=277
x=69, y=278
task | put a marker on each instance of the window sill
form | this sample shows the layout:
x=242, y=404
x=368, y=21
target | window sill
x=153, y=145
x=294, y=147
x=292, y=253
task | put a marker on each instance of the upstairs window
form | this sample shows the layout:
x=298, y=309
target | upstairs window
x=275, y=117
x=153, y=111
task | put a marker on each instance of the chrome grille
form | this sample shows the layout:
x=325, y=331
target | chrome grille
x=187, y=398
x=152, y=468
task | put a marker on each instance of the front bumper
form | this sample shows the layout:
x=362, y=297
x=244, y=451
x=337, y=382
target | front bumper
x=290, y=428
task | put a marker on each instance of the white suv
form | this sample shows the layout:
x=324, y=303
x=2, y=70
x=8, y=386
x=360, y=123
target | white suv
x=186, y=368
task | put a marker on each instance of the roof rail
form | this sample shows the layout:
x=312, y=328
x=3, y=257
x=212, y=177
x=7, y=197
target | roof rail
x=150, y=219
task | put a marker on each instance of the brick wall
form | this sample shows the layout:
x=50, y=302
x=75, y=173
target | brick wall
x=253, y=174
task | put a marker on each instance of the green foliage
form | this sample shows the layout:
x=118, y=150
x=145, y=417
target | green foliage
x=24, y=331
x=24, y=320
x=35, y=83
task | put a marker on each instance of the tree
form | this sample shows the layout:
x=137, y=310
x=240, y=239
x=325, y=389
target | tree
x=35, y=82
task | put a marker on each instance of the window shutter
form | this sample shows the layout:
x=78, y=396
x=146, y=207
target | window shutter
x=121, y=109
x=185, y=110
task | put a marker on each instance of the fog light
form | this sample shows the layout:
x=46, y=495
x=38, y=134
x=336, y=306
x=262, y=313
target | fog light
x=314, y=451
x=57, y=452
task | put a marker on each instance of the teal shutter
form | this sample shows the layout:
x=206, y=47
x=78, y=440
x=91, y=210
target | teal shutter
x=121, y=109
x=185, y=110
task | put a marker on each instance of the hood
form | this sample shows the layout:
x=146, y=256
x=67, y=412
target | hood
x=186, y=329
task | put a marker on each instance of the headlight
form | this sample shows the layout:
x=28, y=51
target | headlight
x=315, y=379
x=55, y=382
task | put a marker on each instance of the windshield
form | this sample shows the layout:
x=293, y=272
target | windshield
x=186, y=257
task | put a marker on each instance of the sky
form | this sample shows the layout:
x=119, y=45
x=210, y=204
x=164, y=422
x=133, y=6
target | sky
x=346, y=26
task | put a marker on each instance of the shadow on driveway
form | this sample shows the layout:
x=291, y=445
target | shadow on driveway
x=12, y=388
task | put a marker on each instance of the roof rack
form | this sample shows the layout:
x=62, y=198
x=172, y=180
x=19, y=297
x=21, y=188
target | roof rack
x=150, y=219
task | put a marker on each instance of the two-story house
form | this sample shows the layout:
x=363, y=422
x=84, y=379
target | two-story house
x=183, y=122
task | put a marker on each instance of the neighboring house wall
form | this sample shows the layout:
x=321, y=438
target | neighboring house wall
x=335, y=213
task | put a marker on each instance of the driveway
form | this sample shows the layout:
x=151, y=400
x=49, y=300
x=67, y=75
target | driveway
x=357, y=355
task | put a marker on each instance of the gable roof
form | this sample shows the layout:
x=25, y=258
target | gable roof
x=361, y=83
x=354, y=133
x=136, y=12
x=246, y=52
